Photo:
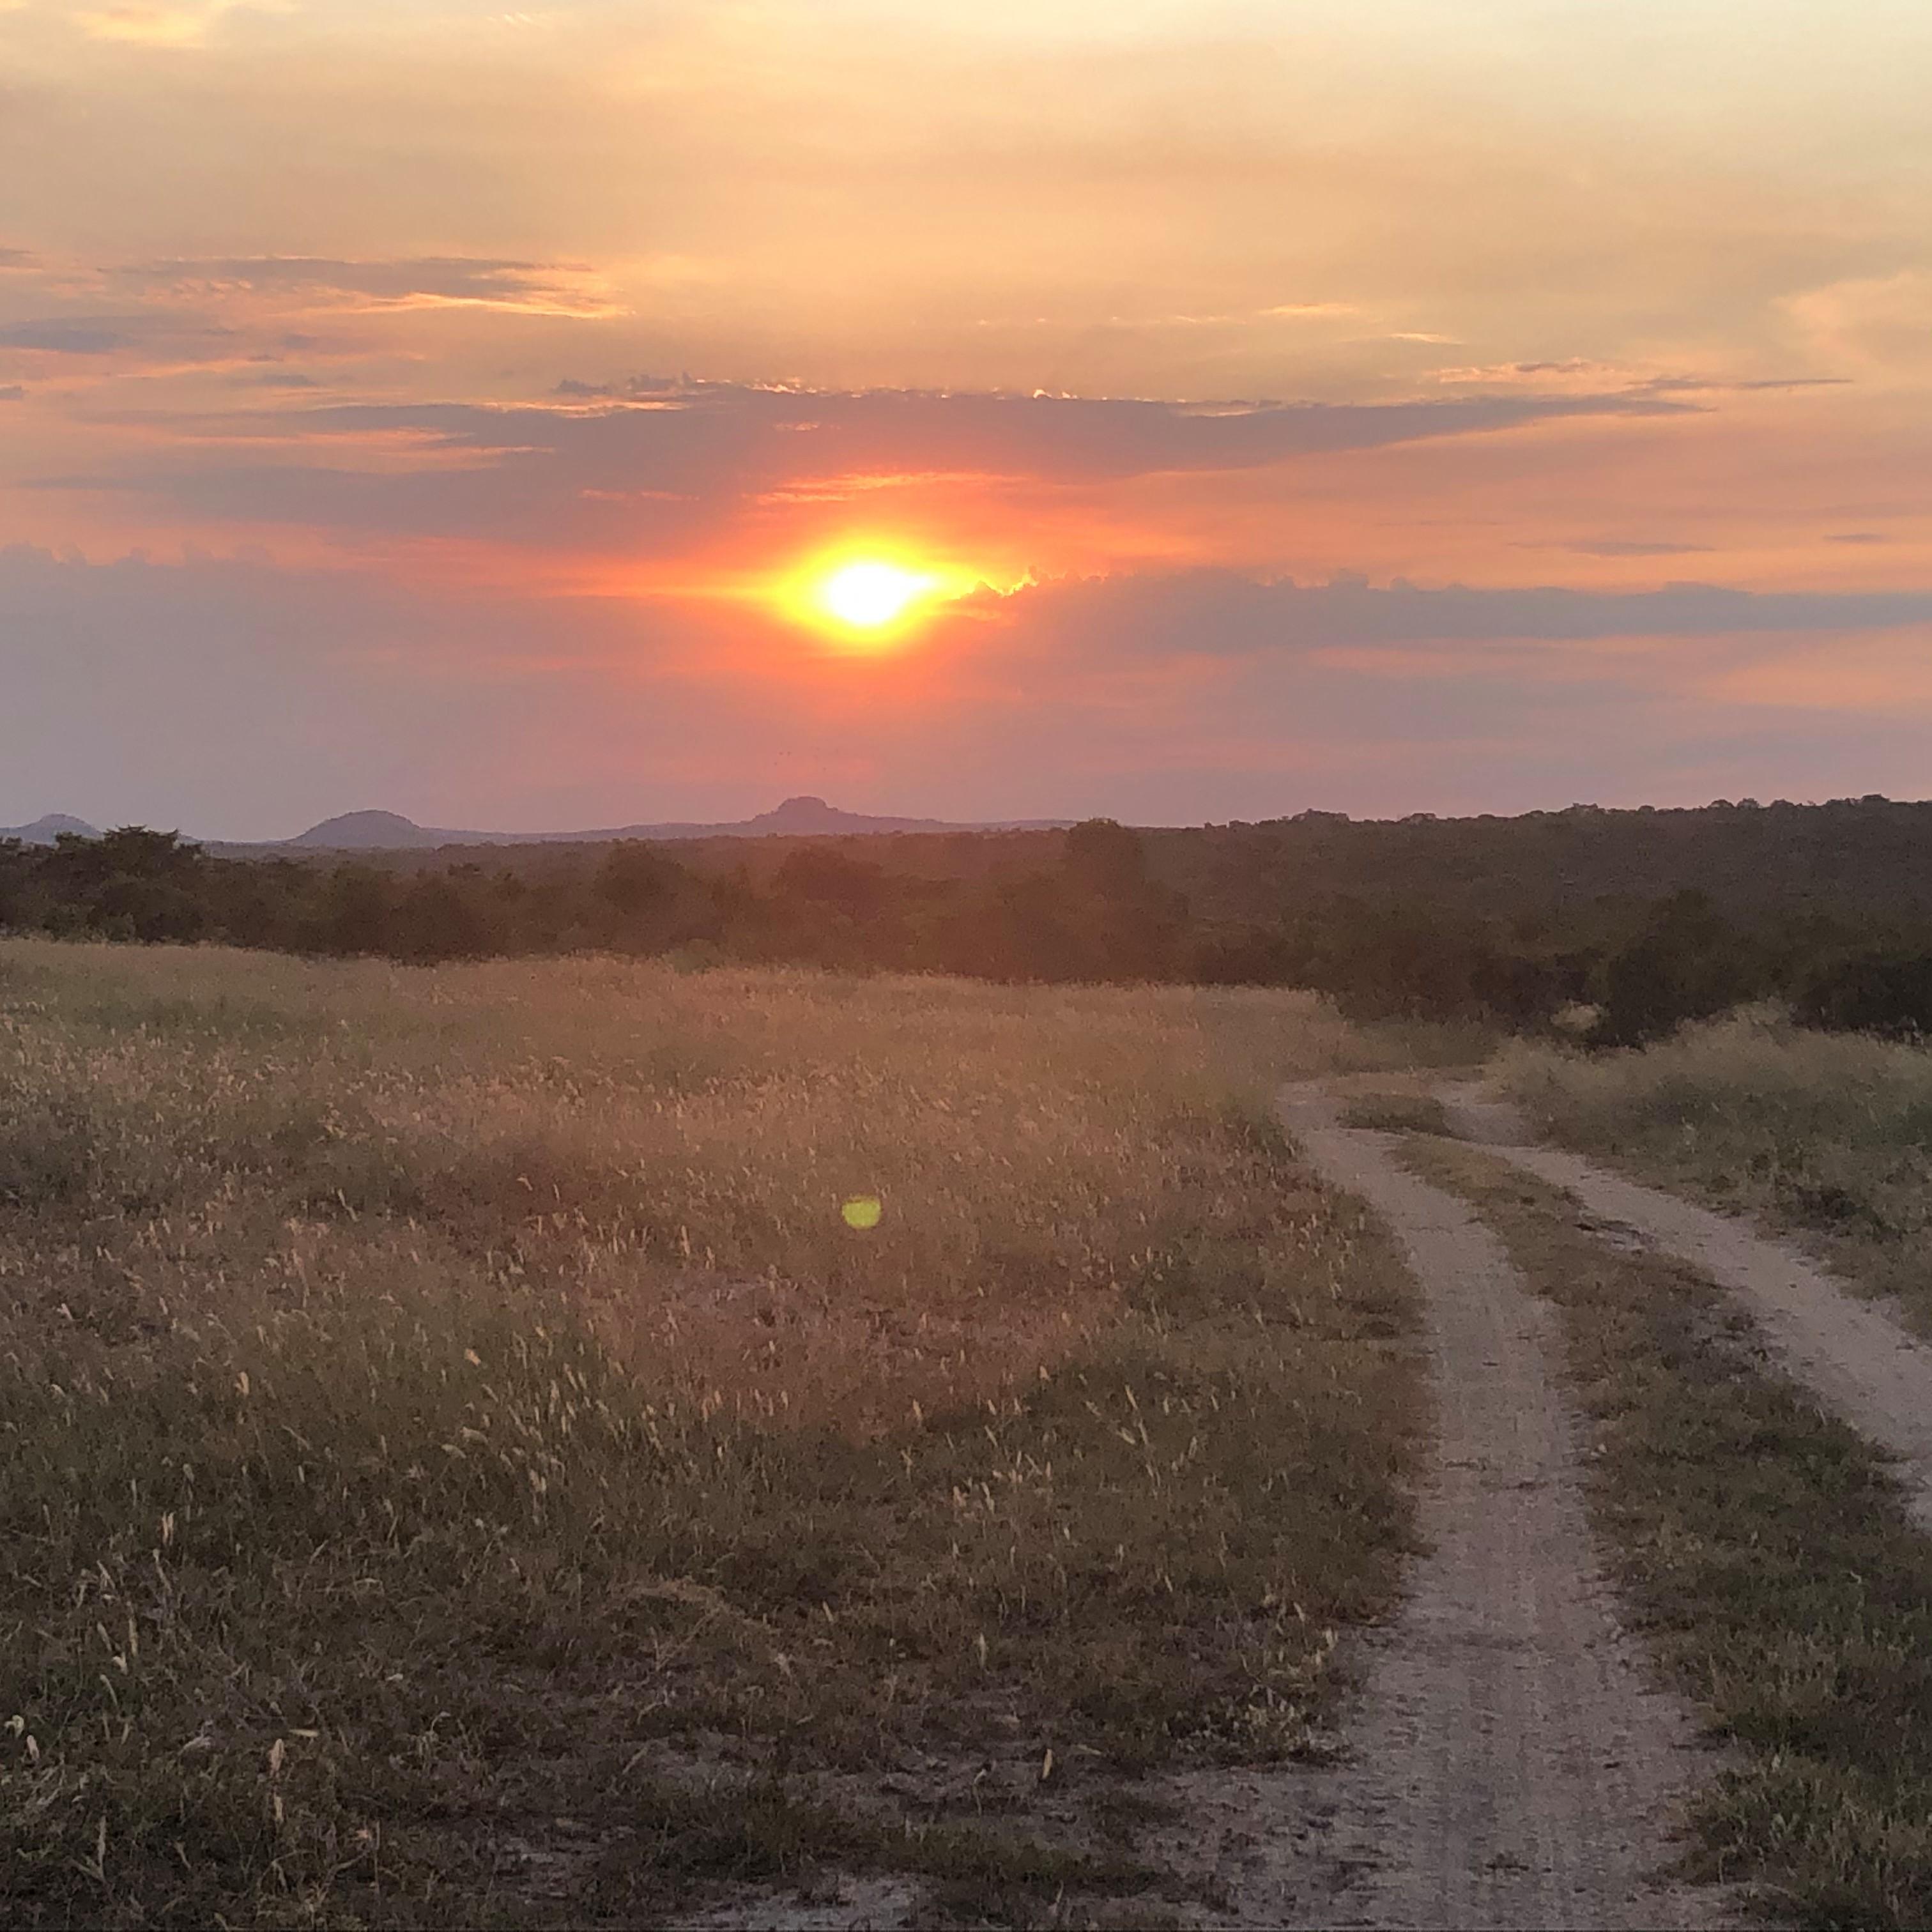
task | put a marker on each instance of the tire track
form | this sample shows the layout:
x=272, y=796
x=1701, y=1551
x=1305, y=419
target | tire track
x=1858, y=1361
x=1511, y=1764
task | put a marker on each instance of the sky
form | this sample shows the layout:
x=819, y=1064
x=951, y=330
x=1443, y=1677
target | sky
x=1378, y=406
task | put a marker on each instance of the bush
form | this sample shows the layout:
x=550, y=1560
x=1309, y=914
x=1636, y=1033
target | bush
x=1887, y=993
x=1688, y=963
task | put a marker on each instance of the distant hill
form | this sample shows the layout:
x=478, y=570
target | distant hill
x=802, y=818
x=376, y=831
x=45, y=830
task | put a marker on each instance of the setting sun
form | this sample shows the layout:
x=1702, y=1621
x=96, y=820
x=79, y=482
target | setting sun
x=868, y=595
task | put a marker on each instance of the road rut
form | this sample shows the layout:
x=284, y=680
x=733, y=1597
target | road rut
x=1511, y=1764
x=1859, y=1362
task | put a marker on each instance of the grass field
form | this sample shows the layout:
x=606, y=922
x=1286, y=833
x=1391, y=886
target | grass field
x=462, y=1464
x=1829, y=1134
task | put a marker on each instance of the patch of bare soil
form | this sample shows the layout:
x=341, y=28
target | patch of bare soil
x=845, y=1904
x=1510, y=1763
x=1860, y=1362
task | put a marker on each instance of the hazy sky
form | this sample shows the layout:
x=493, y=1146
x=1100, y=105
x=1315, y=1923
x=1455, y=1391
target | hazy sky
x=1380, y=405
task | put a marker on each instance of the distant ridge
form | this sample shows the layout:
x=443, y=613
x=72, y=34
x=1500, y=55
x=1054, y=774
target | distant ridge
x=801, y=818
x=46, y=828
x=374, y=832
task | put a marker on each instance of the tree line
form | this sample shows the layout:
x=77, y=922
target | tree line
x=1089, y=904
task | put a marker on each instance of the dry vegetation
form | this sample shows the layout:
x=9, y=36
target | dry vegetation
x=1830, y=1134
x=458, y=1465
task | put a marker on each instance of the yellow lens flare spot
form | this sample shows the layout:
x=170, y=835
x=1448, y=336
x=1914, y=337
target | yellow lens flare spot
x=862, y=1211
x=868, y=595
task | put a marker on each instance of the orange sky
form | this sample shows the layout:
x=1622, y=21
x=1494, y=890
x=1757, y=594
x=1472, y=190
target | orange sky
x=476, y=383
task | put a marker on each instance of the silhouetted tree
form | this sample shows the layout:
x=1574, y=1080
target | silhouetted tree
x=438, y=919
x=824, y=876
x=1881, y=992
x=1688, y=963
x=357, y=909
x=635, y=878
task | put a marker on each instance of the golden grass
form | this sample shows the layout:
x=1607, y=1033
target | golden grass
x=1828, y=1134
x=673, y=1149
x=438, y=1403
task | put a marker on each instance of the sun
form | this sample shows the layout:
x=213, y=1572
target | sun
x=869, y=595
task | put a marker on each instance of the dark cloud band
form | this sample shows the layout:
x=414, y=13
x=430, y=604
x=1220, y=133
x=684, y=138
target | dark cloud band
x=552, y=472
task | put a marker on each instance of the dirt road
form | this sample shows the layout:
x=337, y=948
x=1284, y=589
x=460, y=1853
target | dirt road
x=1860, y=1363
x=1510, y=1766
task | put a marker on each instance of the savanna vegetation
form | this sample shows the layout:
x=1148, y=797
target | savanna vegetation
x=1648, y=919
x=1830, y=1135
x=564, y=1441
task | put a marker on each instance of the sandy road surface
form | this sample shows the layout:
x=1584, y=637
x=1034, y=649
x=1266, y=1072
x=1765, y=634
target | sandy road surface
x=1510, y=1764
x=1862, y=1364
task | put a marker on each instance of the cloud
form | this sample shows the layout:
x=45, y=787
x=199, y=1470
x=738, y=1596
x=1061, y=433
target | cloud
x=1312, y=311
x=1572, y=373
x=420, y=282
x=1665, y=385
x=773, y=431
x=180, y=315
x=1580, y=374
x=13, y=392
x=1216, y=613
x=173, y=337
x=156, y=23
x=535, y=472
x=74, y=335
x=1882, y=325
x=1627, y=546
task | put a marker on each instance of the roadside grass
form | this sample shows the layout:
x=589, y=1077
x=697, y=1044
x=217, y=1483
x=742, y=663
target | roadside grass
x=458, y=1465
x=1768, y=1556
x=1826, y=1135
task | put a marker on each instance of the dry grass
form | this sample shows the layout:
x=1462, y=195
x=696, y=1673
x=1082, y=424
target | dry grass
x=1830, y=1135
x=459, y=1461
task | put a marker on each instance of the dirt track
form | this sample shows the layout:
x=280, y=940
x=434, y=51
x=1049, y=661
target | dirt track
x=1858, y=1361
x=1510, y=1764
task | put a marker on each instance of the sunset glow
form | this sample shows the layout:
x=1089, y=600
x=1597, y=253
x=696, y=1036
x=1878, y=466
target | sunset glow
x=1375, y=408
x=866, y=599
x=868, y=595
